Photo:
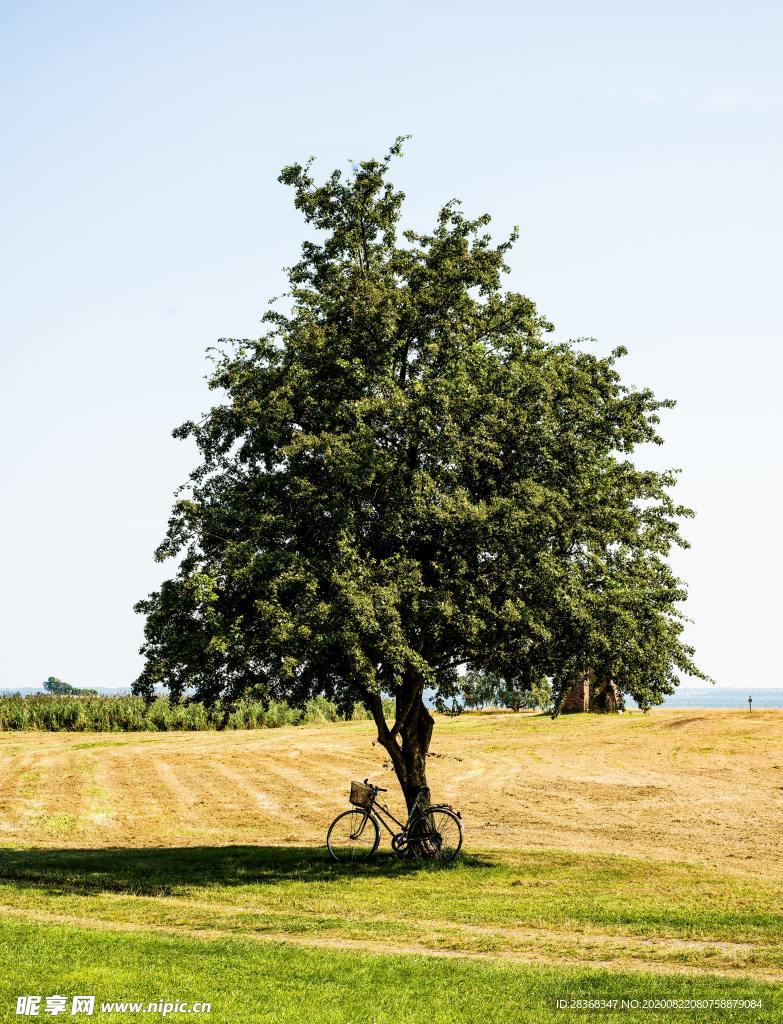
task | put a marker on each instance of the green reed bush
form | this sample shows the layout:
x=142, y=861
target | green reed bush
x=319, y=709
x=74, y=713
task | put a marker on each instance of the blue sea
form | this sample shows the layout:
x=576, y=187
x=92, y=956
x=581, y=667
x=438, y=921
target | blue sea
x=723, y=697
x=706, y=697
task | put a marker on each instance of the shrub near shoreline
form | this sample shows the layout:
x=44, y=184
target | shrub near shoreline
x=132, y=714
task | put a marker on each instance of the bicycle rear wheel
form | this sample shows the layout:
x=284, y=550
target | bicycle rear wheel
x=353, y=836
x=438, y=836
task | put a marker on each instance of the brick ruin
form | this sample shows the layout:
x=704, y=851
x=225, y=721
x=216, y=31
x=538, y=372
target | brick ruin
x=587, y=694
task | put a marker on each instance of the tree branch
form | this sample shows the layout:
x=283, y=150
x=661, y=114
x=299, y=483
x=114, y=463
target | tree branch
x=401, y=720
x=375, y=704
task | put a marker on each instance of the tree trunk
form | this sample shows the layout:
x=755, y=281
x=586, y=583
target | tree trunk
x=416, y=734
x=408, y=741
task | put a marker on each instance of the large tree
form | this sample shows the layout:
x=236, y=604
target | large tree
x=405, y=475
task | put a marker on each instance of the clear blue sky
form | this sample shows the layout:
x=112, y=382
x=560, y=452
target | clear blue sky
x=638, y=147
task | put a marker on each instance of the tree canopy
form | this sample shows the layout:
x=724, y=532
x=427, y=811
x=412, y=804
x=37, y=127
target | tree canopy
x=406, y=474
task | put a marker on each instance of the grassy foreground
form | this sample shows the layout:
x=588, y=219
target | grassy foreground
x=248, y=982
x=545, y=905
x=282, y=934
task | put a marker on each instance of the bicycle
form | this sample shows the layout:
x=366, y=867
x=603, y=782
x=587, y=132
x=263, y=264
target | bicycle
x=430, y=833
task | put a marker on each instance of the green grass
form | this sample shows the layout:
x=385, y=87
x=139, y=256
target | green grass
x=250, y=982
x=536, y=888
x=551, y=904
x=513, y=931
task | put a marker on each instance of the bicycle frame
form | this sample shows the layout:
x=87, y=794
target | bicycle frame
x=380, y=812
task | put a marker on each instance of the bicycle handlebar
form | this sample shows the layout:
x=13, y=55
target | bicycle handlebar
x=378, y=789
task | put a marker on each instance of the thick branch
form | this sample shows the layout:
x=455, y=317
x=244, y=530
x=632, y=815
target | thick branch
x=386, y=739
x=401, y=719
x=375, y=703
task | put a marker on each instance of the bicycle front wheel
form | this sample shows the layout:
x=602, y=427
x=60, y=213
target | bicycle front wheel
x=438, y=836
x=353, y=836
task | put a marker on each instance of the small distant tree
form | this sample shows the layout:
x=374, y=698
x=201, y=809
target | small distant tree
x=450, y=704
x=58, y=686
x=483, y=688
x=511, y=697
x=479, y=689
x=533, y=691
x=541, y=697
x=406, y=475
x=536, y=696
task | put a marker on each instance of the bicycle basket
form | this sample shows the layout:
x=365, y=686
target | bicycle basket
x=361, y=795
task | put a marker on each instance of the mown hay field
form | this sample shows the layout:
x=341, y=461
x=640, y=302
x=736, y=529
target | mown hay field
x=605, y=855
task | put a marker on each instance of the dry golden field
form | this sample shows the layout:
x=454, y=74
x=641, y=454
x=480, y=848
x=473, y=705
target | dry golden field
x=699, y=786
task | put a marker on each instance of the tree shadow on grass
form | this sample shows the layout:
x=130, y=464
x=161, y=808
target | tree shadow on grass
x=160, y=871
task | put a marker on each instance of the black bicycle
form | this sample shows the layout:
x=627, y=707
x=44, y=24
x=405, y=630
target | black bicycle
x=431, y=832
